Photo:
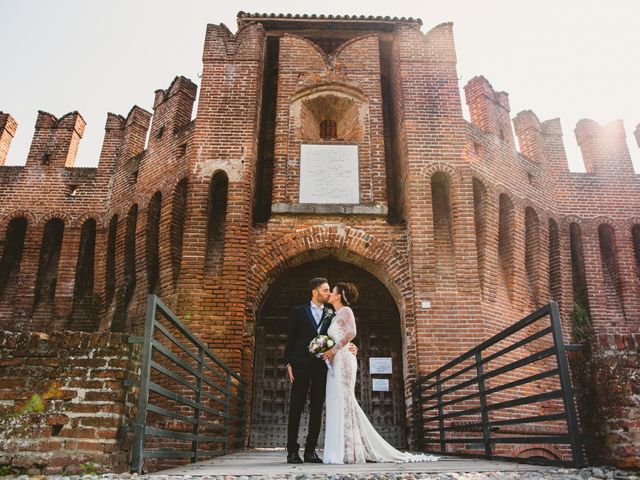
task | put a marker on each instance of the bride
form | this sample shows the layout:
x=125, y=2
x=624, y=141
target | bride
x=349, y=436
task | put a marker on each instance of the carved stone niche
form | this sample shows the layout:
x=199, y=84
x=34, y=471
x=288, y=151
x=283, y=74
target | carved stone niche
x=331, y=113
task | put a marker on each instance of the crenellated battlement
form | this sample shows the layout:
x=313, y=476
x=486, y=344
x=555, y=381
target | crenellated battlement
x=541, y=142
x=438, y=44
x=124, y=137
x=135, y=131
x=530, y=136
x=56, y=140
x=434, y=47
x=604, y=148
x=489, y=109
x=221, y=44
x=8, y=127
x=172, y=108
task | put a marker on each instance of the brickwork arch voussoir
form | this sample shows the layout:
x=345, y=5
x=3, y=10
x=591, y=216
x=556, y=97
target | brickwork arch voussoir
x=6, y=219
x=569, y=219
x=435, y=167
x=100, y=223
x=604, y=220
x=366, y=251
x=500, y=188
x=64, y=216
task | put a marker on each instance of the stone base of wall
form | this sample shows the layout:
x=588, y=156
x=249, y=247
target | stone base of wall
x=609, y=371
x=63, y=404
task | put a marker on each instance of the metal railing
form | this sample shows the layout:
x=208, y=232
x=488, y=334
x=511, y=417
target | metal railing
x=188, y=397
x=497, y=396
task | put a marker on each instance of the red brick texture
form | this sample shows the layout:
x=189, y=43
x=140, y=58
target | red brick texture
x=63, y=401
x=467, y=233
x=8, y=126
x=609, y=372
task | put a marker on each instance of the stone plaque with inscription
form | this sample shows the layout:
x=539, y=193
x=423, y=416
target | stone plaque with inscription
x=329, y=174
x=380, y=384
x=380, y=365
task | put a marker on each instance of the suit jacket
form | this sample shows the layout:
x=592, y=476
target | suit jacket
x=301, y=329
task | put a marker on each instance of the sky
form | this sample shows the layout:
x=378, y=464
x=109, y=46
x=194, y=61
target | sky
x=564, y=59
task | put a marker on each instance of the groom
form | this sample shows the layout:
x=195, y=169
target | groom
x=307, y=373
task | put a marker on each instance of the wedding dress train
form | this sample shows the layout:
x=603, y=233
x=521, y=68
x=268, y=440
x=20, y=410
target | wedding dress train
x=349, y=436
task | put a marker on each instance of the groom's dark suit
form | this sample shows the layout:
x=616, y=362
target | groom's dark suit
x=309, y=373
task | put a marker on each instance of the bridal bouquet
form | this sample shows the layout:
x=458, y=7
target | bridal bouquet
x=321, y=344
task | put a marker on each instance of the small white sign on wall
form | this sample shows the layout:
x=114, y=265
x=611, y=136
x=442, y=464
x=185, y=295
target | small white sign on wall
x=380, y=365
x=380, y=384
x=329, y=174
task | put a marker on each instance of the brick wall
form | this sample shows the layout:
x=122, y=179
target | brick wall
x=63, y=401
x=609, y=373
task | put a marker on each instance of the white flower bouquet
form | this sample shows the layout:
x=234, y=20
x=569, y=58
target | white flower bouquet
x=321, y=344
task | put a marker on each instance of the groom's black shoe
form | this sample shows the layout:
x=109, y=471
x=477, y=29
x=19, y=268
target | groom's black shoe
x=312, y=457
x=293, y=457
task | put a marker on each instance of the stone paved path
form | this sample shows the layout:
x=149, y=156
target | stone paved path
x=271, y=464
x=267, y=464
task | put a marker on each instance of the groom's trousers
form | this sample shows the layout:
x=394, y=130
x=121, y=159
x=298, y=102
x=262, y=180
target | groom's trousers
x=307, y=380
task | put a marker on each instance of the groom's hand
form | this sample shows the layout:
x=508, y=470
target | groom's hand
x=353, y=349
x=290, y=371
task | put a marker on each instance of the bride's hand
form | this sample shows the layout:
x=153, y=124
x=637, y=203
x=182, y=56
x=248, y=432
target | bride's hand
x=328, y=355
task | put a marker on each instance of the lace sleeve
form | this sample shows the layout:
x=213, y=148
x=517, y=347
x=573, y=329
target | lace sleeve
x=347, y=324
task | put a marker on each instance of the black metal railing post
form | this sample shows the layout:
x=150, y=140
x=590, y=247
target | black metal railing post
x=567, y=388
x=143, y=395
x=195, y=444
x=227, y=411
x=486, y=430
x=443, y=444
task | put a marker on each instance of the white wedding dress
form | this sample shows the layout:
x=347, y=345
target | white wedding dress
x=349, y=436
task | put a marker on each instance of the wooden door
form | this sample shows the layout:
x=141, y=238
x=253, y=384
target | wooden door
x=378, y=325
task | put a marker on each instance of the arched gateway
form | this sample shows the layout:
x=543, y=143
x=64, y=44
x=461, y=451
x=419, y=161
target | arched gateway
x=379, y=336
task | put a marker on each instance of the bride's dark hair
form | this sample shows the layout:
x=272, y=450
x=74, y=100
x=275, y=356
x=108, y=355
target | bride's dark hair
x=348, y=291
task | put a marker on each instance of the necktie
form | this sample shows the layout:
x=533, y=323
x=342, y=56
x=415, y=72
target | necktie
x=317, y=313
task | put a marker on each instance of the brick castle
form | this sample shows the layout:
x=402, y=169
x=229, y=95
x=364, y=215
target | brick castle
x=458, y=229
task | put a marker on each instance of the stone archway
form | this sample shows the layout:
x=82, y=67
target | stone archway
x=380, y=334
x=349, y=244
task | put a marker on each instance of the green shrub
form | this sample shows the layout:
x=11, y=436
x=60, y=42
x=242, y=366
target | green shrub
x=89, y=468
x=6, y=470
x=581, y=322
